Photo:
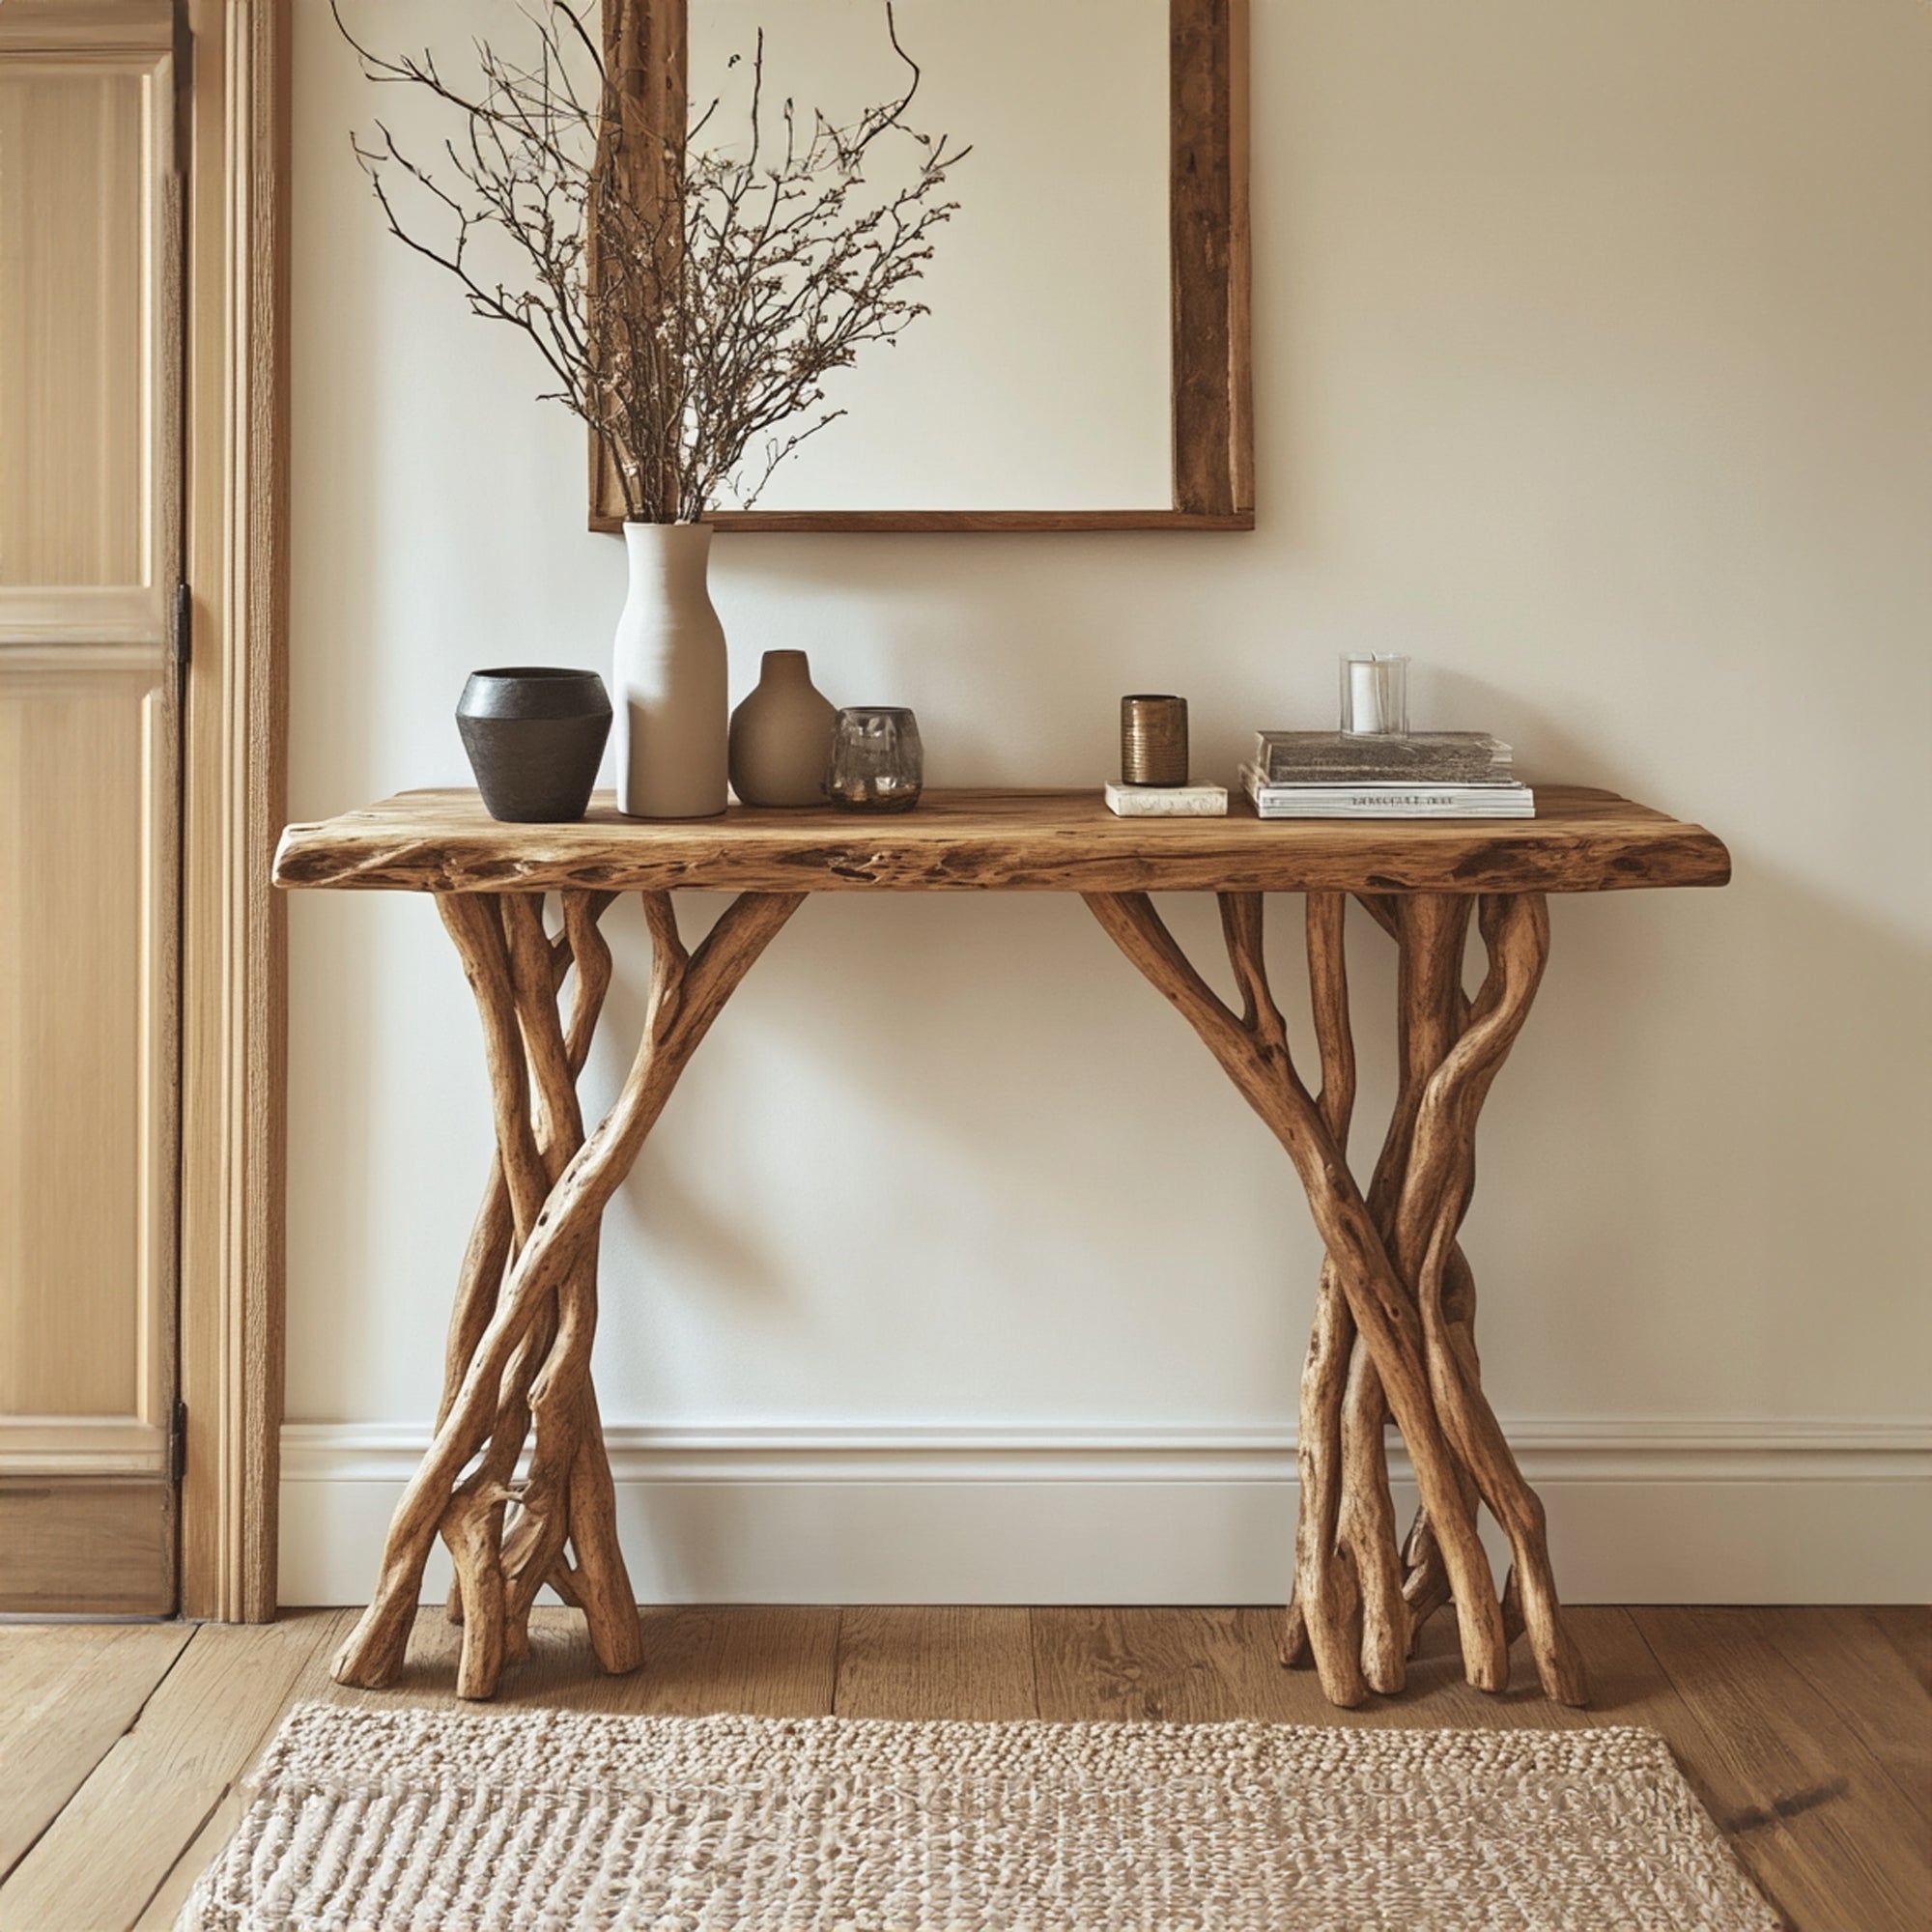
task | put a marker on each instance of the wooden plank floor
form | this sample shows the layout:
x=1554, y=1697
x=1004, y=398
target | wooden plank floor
x=1809, y=1732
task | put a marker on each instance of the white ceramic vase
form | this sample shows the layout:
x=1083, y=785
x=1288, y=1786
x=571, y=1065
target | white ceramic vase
x=781, y=736
x=669, y=684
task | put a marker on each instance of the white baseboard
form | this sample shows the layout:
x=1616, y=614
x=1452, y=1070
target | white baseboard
x=1640, y=1510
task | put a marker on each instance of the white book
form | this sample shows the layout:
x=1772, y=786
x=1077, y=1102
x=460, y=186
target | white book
x=1388, y=801
x=1188, y=801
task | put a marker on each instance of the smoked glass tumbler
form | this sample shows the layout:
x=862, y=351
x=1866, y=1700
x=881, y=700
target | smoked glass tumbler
x=877, y=761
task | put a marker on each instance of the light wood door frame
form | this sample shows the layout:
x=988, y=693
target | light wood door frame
x=233, y=1023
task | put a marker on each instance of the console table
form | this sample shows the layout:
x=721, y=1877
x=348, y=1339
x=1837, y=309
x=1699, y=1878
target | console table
x=1394, y=1333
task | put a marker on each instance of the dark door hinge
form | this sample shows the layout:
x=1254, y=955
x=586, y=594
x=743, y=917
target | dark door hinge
x=178, y=1443
x=182, y=643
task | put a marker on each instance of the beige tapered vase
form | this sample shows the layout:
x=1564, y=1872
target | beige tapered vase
x=669, y=684
x=781, y=736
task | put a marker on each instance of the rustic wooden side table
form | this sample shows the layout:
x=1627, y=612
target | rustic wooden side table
x=1395, y=1319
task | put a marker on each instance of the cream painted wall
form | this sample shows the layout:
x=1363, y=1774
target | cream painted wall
x=1594, y=368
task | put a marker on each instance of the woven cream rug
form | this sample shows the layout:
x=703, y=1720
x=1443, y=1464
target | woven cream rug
x=416, y=1821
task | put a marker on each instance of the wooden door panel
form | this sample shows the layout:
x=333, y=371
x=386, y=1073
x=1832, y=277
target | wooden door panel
x=85, y=1086
x=89, y=1547
x=90, y=483
x=73, y=280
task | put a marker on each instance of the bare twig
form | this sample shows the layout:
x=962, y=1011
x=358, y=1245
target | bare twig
x=689, y=302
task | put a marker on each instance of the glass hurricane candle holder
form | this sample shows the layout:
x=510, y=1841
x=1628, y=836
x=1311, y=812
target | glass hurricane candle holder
x=1374, y=696
x=878, y=763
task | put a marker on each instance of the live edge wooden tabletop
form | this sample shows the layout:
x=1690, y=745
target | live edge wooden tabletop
x=1580, y=841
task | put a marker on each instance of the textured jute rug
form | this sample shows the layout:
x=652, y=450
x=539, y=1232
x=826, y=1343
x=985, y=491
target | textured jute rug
x=416, y=1821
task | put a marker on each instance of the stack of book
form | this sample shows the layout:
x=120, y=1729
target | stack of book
x=1426, y=775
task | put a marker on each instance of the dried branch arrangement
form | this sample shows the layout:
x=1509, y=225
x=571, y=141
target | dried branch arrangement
x=690, y=297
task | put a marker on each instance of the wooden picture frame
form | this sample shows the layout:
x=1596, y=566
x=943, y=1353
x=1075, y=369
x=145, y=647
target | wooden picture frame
x=1214, y=486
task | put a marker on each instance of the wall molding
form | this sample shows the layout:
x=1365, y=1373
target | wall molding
x=1641, y=1509
x=1614, y=1450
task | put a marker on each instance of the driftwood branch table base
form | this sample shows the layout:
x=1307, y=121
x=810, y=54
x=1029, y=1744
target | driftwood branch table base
x=518, y=1364
x=517, y=1482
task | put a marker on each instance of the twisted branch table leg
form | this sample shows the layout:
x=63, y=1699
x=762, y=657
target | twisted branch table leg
x=581, y=948
x=1431, y=984
x=1394, y=1316
x=520, y=1345
x=1328, y=1590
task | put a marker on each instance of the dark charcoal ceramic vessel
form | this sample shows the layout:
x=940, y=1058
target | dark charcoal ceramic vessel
x=534, y=738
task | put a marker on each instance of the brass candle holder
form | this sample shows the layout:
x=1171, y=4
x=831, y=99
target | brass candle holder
x=1153, y=740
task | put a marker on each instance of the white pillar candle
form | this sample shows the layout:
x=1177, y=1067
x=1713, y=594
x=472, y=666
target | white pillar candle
x=1365, y=696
